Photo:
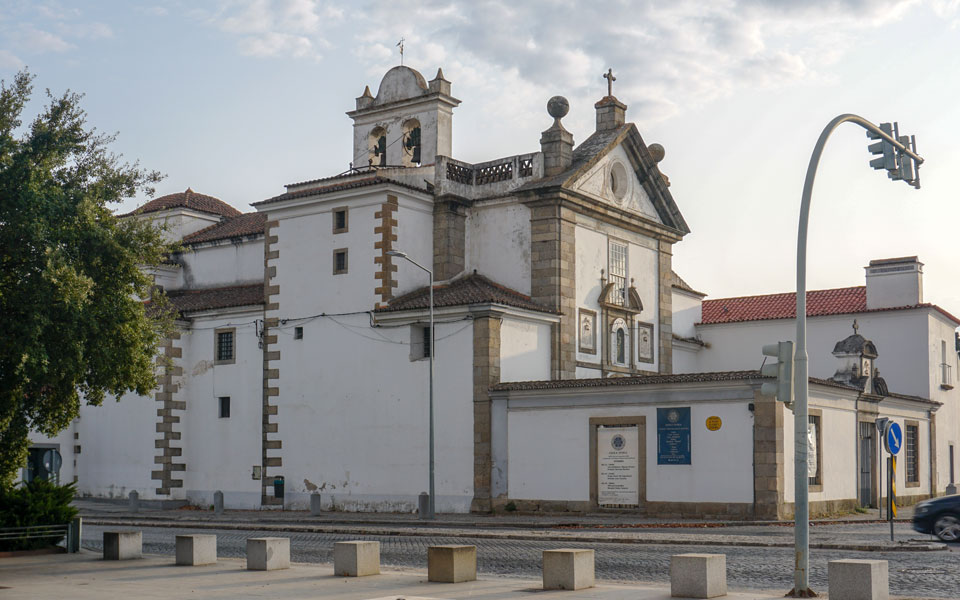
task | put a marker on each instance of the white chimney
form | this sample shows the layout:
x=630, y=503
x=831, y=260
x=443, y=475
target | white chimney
x=894, y=282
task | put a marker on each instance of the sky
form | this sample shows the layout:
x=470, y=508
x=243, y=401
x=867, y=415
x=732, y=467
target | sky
x=237, y=98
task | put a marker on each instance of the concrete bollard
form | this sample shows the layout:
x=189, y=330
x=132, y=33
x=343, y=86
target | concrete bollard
x=451, y=563
x=196, y=549
x=567, y=569
x=122, y=545
x=698, y=575
x=134, y=501
x=315, y=507
x=356, y=559
x=218, y=502
x=423, y=505
x=855, y=579
x=268, y=553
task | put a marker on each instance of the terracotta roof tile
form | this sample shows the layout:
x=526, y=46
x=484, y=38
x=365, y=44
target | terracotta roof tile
x=838, y=301
x=235, y=227
x=784, y=306
x=212, y=298
x=337, y=187
x=472, y=289
x=188, y=199
x=718, y=376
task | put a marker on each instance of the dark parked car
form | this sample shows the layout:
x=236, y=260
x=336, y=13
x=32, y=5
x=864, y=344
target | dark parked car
x=940, y=516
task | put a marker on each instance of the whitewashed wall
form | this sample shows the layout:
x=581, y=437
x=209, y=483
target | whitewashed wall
x=686, y=313
x=353, y=415
x=498, y=243
x=117, y=447
x=948, y=416
x=220, y=452
x=900, y=337
x=180, y=222
x=222, y=264
x=524, y=350
x=557, y=466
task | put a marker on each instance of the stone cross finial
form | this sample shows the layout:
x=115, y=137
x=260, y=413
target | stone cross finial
x=400, y=45
x=610, y=79
x=856, y=327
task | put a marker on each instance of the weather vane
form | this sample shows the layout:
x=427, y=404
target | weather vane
x=610, y=79
x=400, y=45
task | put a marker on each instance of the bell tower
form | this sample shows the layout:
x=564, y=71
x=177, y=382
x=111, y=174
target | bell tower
x=407, y=124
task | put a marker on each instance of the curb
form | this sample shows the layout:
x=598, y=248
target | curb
x=553, y=537
x=534, y=525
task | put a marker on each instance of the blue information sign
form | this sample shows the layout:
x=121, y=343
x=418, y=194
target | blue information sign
x=673, y=436
x=894, y=438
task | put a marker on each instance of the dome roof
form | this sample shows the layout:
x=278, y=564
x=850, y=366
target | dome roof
x=189, y=199
x=856, y=344
x=400, y=83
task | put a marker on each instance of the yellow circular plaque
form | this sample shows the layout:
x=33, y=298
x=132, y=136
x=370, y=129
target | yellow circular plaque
x=714, y=423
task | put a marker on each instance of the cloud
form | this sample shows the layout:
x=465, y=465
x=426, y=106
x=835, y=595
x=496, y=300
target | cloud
x=667, y=56
x=275, y=28
x=86, y=31
x=36, y=40
x=8, y=60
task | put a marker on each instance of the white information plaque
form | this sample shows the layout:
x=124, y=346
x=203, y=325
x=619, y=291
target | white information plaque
x=618, y=477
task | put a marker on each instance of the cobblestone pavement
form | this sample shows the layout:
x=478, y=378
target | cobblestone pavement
x=912, y=574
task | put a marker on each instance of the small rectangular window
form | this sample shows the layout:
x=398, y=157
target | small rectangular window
x=420, y=346
x=340, y=221
x=224, y=407
x=339, y=261
x=225, y=351
x=298, y=333
x=912, y=449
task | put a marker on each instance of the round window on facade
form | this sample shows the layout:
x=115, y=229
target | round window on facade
x=618, y=181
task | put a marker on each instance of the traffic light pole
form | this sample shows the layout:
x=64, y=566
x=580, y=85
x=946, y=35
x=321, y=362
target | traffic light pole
x=801, y=571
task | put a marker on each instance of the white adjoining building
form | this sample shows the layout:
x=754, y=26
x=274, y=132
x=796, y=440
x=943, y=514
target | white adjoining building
x=574, y=369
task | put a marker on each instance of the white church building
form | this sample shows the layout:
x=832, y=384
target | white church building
x=573, y=369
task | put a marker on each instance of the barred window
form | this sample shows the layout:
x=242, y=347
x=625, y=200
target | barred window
x=618, y=272
x=224, y=350
x=224, y=407
x=912, y=453
x=339, y=261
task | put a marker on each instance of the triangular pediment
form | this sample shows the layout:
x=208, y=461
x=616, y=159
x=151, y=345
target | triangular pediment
x=623, y=173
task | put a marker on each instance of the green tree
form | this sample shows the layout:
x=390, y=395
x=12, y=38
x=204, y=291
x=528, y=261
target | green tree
x=72, y=322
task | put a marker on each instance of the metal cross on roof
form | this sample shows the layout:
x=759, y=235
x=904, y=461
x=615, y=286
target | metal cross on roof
x=400, y=45
x=610, y=79
x=856, y=327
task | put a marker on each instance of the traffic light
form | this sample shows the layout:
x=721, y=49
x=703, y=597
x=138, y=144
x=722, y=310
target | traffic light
x=782, y=389
x=885, y=151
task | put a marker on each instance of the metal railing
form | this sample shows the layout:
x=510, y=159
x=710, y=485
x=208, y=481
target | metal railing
x=69, y=533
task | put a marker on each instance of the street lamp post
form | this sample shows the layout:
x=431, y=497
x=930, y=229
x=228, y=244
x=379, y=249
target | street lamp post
x=431, y=506
x=801, y=579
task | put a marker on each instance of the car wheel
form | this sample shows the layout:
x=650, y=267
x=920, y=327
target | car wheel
x=947, y=528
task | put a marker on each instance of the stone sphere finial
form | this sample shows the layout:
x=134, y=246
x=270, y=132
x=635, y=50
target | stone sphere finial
x=558, y=107
x=656, y=152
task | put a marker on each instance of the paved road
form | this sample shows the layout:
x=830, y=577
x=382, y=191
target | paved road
x=912, y=574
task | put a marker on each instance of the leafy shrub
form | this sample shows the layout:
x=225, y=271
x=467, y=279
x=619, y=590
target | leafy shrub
x=31, y=504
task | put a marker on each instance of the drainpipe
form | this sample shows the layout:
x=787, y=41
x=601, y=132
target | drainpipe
x=856, y=445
